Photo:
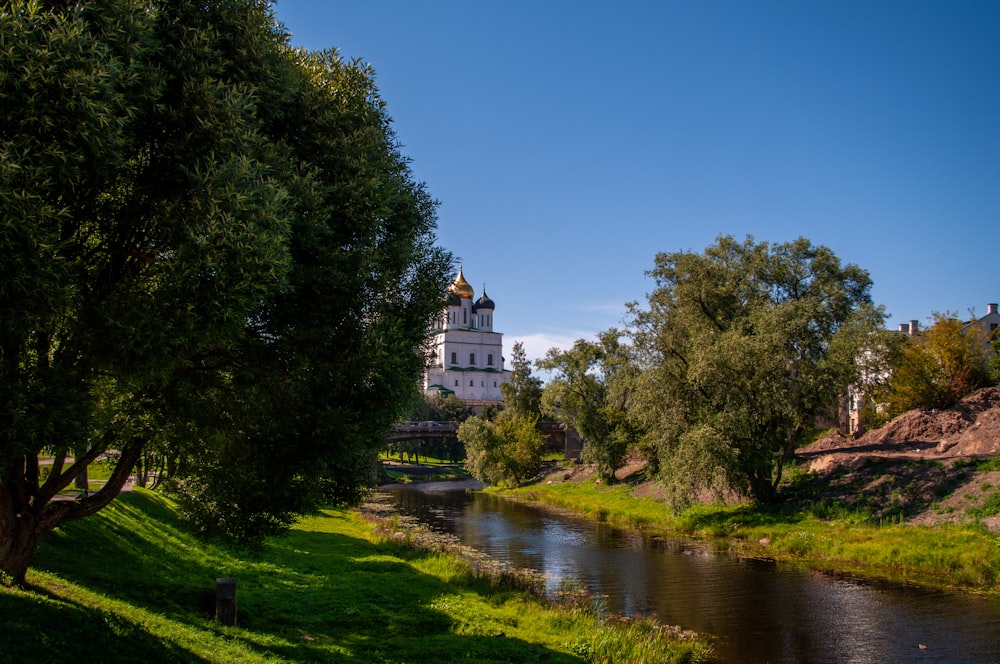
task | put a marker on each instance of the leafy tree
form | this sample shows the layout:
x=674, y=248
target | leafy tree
x=213, y=249
x=938, y=366
x=450, y=409
x=879, y=352
x=505, y=451
x=741, y=346
x=592, y=392
x=522, y=392
x=435, y=408
x=993, y=363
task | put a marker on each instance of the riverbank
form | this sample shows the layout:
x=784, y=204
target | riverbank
x=130, y=584
x=821, y=532
x=399, y=472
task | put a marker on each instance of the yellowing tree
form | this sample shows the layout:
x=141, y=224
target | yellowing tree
x=939, y=366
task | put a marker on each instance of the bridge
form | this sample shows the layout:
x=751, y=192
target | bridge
x=557, y=436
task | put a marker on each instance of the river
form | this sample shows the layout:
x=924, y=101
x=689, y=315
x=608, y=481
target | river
x=759, y=611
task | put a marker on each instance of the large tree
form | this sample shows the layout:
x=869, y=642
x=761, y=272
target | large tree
x=591, y=390
x=742, y=346
x=211, y=248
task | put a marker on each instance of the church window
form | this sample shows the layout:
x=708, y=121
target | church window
x=472, y=358
x=456, y=382
x=454, y=358
x=489, y=359
x=471, y=384
x=465, y=316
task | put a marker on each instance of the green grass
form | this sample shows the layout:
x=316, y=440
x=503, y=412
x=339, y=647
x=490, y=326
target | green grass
x=129, y=584
x=990, y=507
x=98, y=473
x=424, y=472
x=824, y=535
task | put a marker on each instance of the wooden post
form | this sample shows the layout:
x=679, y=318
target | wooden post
x=225, y=601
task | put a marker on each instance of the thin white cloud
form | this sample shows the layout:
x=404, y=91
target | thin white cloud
x=611, y=309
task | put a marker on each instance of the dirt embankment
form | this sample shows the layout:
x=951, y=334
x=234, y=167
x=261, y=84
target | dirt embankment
x=918, y=467
x=971, y=428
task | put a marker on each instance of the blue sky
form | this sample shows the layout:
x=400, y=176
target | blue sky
x=569, y=142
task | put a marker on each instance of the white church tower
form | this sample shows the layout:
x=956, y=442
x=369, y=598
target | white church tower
x=466, y=354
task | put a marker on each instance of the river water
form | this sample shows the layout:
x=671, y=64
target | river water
x=759, y=611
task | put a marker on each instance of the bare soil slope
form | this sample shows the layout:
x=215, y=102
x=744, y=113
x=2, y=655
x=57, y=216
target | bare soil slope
x=918, y=467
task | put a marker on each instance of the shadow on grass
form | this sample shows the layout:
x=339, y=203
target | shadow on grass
x=311, y=596
x=724, y=522
x=40, y=629
x=872, y=491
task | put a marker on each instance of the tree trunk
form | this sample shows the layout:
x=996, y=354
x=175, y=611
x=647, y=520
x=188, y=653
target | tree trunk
x=27, y=511
x=762, y=487
x=17, y=547
x=141, y=471
x=82, y=482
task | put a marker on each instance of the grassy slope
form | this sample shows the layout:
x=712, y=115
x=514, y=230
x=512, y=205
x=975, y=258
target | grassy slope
x=130, y=585
x=961, y=556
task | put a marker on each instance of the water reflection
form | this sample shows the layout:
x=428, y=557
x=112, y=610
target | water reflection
x=761, y=612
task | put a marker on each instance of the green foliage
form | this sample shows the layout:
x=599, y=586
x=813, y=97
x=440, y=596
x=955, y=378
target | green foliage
x=990, y=507
x=449, y=409
x=993, y=363
x=219, y=258
x=522, y=393
x=938, y=366
x=435, y=408
x=591, y=391
x=741, y=347
x=505, y=451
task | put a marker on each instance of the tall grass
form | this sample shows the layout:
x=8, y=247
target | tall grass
x=130, y=584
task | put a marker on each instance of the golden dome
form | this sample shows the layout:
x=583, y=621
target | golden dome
x=461, y=287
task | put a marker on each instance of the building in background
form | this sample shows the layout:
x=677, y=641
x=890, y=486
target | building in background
x=852, y=419
x=466, y=357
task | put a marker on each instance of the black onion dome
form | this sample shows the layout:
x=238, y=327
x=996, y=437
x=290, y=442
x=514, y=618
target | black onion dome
x=484, y=302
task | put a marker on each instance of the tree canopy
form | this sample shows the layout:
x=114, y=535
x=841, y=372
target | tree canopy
x=522, y=392
x=212, y=247
x=741, y=347
x=506, y=447
x=505, y=451
x=591, y=390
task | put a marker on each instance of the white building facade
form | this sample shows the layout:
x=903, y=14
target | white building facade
x=466, y=357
